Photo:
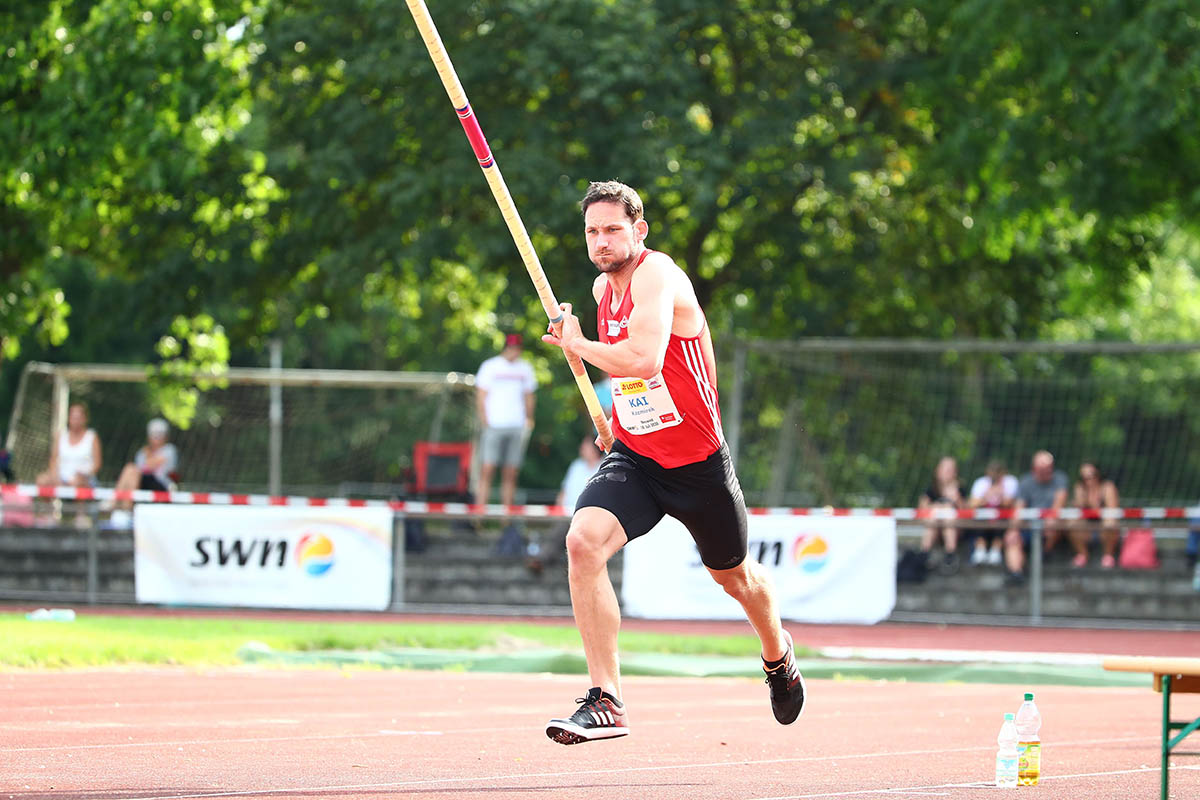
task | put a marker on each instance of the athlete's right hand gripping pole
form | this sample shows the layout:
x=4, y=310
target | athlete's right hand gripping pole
x=508, y=209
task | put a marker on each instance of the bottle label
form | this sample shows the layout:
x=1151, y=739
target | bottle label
x=1029, y=769
x=1006, y=770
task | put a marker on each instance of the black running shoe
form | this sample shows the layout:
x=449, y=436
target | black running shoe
x=600, y=716
x=787, y=686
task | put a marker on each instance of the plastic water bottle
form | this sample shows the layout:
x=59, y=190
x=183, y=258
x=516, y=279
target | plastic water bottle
x=1007, y=756
x=1029, y=744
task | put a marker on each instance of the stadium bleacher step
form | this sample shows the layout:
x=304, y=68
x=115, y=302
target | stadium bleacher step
x=457, y=565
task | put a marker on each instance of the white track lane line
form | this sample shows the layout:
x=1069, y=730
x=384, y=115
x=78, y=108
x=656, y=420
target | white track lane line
x=381, y=720
x=575, y=773
x=933, y=789
x=459, y=731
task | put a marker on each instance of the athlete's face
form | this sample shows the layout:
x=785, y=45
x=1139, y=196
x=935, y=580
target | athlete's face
x=613, y=239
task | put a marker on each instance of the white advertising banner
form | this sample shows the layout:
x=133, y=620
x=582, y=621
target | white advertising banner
x=826, y=569
x=268, y=557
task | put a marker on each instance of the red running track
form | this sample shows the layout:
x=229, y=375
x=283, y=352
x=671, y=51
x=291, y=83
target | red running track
x=295, y=734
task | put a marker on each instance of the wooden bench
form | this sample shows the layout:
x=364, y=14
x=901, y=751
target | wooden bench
x=1170, y=675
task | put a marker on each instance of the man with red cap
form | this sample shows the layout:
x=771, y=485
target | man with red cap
x=504, y=388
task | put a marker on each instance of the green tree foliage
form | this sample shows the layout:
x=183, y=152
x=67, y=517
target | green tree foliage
x=117, y=121
x=820, y=167
x=1063, y=132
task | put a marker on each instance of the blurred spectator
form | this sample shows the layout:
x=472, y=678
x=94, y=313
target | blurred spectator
x=1094, y=491
x=1043, y=487
x=75, y=456
x=944, y=492
x=1193, y=555
x=504, y=388
x=16, y=509
x=6, y=467
x=153, y=468
x=579, y=472
x=1192, y=551
x=996, y=488
x=603, y=389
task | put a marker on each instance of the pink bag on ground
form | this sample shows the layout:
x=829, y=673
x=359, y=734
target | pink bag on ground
x=16, y=509
x=1138, y=550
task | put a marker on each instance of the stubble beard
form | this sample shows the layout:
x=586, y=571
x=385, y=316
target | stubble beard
x=610, y=267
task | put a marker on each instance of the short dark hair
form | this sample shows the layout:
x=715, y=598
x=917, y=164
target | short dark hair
x=613, y=192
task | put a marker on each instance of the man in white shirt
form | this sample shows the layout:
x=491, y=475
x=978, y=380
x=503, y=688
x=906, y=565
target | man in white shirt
x=504, y=388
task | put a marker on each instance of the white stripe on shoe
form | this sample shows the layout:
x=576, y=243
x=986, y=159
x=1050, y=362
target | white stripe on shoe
x=590, y=734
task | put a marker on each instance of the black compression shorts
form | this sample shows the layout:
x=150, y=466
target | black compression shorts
x=706, y=497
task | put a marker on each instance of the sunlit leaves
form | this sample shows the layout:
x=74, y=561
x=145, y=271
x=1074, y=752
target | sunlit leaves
x=195, y=357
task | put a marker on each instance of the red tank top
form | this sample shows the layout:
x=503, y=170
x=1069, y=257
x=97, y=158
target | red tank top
x=674, y=417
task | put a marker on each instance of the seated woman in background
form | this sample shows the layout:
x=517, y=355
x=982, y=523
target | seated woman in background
x=997, y=489
x=1094, y=491
x=944, y=492
x=153, y=466
x=75, y=455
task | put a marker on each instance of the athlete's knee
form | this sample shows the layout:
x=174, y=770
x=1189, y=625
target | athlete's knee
x=580, y=546
x=738, y=582
x=591, y=541
x=585, y=550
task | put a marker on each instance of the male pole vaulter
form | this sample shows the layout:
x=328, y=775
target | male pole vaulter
x=669, y=457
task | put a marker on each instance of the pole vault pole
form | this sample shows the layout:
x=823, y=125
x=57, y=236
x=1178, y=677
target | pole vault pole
x=508, y=209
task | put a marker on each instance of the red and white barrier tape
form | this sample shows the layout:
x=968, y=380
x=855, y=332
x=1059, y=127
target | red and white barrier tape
x=423, y=507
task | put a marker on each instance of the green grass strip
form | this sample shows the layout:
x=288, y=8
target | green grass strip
x=95, y=639
x=701, y=666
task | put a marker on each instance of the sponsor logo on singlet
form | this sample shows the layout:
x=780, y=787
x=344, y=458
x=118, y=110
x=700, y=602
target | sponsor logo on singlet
x=644, y=404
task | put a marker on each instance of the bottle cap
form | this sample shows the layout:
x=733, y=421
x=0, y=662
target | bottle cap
x=1029, y=696
x=1009, y=717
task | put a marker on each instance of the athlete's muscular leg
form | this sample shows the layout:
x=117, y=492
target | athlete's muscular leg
x=595, y=535
x=750, y=585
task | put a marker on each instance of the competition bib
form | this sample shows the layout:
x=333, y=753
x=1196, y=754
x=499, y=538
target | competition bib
x=644, y=405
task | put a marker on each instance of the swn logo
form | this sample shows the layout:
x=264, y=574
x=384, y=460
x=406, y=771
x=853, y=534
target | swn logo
x=314, y=553
x=809, y=552
x=239, y=552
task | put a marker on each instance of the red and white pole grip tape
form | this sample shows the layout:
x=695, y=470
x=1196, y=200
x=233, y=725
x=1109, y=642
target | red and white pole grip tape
x=429, y=508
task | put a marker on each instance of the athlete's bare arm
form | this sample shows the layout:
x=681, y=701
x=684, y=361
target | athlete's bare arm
x=658, y=287
x=598, y=288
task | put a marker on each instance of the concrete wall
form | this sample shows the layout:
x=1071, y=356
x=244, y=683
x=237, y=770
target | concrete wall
x=49, y=564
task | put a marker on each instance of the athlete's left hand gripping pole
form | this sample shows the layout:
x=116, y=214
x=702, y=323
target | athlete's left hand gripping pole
x=441, y=60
